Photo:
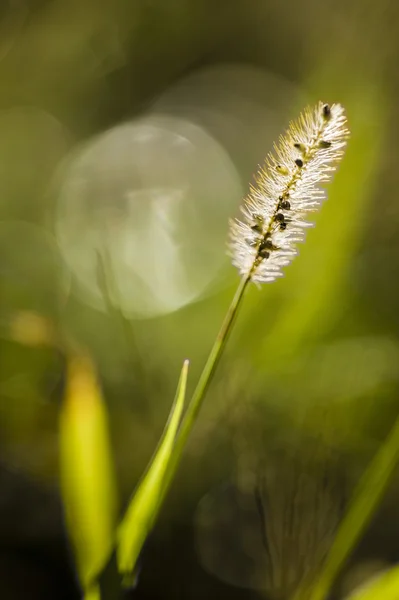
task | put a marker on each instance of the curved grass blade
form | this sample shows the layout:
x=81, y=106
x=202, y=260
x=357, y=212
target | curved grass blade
x=147, y=499
x=87, y=476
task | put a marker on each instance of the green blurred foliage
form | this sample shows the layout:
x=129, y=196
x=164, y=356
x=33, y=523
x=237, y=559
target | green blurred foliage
x=87, y=478
x=313, y=357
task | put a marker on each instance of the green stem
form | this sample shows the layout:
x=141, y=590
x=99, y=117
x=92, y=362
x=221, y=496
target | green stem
x=197, y=398
x=210, y=365
x=166, y=466
x=365, y=500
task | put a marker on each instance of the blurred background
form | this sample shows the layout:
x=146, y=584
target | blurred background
x=129, y=133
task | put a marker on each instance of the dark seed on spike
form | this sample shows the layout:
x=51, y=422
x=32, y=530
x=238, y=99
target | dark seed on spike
x=283, y=226
x=280, y=217
x=265, y=246
x=263, y=253
x=285, y=205
x=299, y=162
x=267, y=243
x=324, y=144
x=326, y=111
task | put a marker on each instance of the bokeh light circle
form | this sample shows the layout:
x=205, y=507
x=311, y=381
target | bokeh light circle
x=143, y=214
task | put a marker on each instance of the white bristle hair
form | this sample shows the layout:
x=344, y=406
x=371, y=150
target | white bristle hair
x=288, y=187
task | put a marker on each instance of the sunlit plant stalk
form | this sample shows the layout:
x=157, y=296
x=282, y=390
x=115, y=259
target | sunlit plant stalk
x=275, y=210
x=210, y=367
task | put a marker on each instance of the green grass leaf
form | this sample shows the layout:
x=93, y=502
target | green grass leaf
x=88, y=482
x=147, y=499
x=366, y=499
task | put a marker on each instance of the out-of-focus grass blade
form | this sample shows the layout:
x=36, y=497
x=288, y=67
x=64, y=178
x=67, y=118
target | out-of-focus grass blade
x=382, y=587
x=86, y=470
x=93, y=593
x=146, y=501
x=365, y=500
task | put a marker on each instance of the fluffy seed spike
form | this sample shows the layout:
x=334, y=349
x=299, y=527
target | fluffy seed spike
x=286, y=190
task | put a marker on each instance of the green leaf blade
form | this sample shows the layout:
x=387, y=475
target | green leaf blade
x=87, y=477
x=146, y=501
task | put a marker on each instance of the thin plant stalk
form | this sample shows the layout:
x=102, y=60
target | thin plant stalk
x=211, y=364
x=148, y=499
x=208, y=371
x=274, y=222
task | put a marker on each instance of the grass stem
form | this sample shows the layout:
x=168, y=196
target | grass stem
x=198, y=396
